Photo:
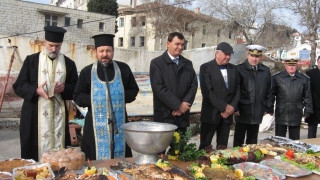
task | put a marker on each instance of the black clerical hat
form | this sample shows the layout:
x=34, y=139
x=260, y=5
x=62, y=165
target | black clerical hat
x=54, y=33
x=103, y=40
x=225, y=47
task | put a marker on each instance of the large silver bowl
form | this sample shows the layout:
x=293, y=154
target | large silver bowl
x=148, y=139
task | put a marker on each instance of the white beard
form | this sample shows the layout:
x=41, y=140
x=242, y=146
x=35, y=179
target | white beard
x=52, y=54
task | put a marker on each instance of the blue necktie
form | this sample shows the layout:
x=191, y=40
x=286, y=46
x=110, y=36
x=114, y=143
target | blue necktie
x=176, y=60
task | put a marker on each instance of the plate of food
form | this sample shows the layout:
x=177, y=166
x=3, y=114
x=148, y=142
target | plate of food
x=259, y=171
x=160, y=170
x=308, y=160
x=286, y=168
x=215, y=171
x=41, y=171
x=10, y=164
x=294, y=147
x=233, y=156
x=275, y=140
x=5, y=175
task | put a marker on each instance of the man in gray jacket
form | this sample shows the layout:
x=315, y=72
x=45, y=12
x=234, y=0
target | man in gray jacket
x=291, y=90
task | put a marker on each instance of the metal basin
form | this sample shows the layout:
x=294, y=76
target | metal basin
x=148, y=139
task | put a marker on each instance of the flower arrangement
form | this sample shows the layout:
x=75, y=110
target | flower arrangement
x=180, y=149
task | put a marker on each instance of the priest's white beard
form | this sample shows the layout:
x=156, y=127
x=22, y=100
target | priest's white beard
x=52, y=54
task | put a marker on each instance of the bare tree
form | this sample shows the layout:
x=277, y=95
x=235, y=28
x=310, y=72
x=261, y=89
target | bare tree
x=250, y=17
x=309, y=11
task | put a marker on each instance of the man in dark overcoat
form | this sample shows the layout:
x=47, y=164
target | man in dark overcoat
x=314, y=119
x=45, y=81
x=220, y=94
x=292, y=92
x=255, y=96
x=174, y=84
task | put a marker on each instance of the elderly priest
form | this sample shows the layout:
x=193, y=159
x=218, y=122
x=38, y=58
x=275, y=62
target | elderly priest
x=91, y=91
x=45, y=81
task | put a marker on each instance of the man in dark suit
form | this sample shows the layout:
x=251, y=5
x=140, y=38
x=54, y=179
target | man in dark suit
x=255, y=96
x=291, y=91
x=314, y=119
x=220, y=93
x=174, y=84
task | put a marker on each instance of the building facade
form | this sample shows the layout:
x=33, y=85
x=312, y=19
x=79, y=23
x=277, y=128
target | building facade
x=140, y=28
x=138, y=25
x=82, y=4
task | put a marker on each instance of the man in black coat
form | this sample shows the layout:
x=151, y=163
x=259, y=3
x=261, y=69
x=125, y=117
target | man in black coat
x=91, y=92
x=292, y=91
x=174, y=84
x=220, y=94
x=45, y=81
x=255, y=96
x=314, y=119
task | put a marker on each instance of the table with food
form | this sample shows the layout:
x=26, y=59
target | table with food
x=272, y=158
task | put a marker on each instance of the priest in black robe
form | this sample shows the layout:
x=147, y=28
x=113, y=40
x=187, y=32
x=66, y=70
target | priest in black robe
x=45, y=81
x=86, y=96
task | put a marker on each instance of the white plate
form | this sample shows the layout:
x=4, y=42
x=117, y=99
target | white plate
x=316, y=172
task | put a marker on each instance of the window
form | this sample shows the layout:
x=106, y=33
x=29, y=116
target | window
x=51, y=20
x=132, y=41
x=230, y=34
x=203, y=45
x=186, y=26
x=218, y=34
x=79, y=23
x=141, y=41
x=185, y=45
x=101, y=26
x=143, y=20
x=120, y=42
x=204, y=30
x=133, y=21
x=121, y=22
x=67, y=21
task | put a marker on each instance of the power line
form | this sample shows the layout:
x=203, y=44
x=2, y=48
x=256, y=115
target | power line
x=166, y=5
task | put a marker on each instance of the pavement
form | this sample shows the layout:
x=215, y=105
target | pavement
x=10, y=141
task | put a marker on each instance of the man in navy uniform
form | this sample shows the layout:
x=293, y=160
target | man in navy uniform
x=292, y=93
x=255, y=96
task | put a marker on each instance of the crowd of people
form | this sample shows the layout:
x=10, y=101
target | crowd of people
x=244, y=92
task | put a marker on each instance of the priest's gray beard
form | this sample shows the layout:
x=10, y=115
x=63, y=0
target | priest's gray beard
x=52, y=54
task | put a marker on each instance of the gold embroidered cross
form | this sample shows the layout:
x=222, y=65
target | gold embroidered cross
x=59, y=72
x=99, y=106
x=45, y=114
x=58, y=114
x=45, y=71
x=117, y=105
x=59, y=134
x=100, y=115
x=46, y=136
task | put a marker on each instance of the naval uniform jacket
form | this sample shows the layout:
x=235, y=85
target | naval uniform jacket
x=292, y=94
x=314, y=75
x=255, y=93
x=215, y=94
x=172, y=84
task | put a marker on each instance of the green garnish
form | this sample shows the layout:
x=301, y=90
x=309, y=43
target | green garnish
x=258, y=154
x=236, y=148
x=223, y=161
